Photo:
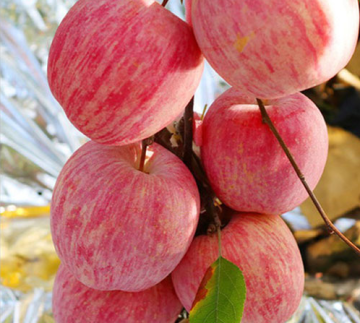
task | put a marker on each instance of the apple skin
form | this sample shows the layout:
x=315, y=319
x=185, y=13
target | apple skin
x=245, y=164
x=188, y=11
x=273, y=48
x=265, y=250
x=117, y=228
x=123, y=70
x=74, y=302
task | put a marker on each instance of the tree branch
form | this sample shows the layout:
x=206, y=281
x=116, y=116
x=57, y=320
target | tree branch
x=164, y=3
x=188, y=133
x=330, y=226
x=194, y=165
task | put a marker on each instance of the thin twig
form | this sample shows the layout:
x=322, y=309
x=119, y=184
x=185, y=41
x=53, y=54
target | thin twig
x=164, y=3
x=144, y=144
x=330, y=226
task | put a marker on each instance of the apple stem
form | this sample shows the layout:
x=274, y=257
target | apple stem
x=204, y=111
x=164, y=3
x=188, y=133
x=330, y=226
x=144, y=144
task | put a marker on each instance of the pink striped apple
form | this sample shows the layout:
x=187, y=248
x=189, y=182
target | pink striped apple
x=264, y=249
x=188, y=11
x=123, y=70
x=74, y=302
x=275, y=48
x=245, y=164
x=118, y=228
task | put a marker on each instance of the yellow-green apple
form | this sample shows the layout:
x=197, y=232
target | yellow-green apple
x=264, y=249
x=275, y=48
x=123, y=70
x=118, y=228
x=245, y=164
x=74, y=302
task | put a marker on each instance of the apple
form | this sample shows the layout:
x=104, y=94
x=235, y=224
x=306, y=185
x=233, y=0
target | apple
x=118, y=228
x=265, y=250
x=247, y=168
x=74, y=302
x=123, y=70
x=188, y=11
x=274, y=48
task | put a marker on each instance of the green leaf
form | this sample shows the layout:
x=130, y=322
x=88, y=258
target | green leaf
x=221, y=295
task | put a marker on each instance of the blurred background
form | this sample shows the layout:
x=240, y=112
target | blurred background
x=36, y=140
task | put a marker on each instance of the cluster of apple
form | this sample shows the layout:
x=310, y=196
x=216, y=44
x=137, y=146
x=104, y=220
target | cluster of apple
x=123, y=70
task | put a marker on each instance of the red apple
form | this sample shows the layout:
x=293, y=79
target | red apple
x=122, y=70
x=74, y=302
x=245, y=164
x=188, y=11
x=264, y=249
x=118, y=228
x=275, y=48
